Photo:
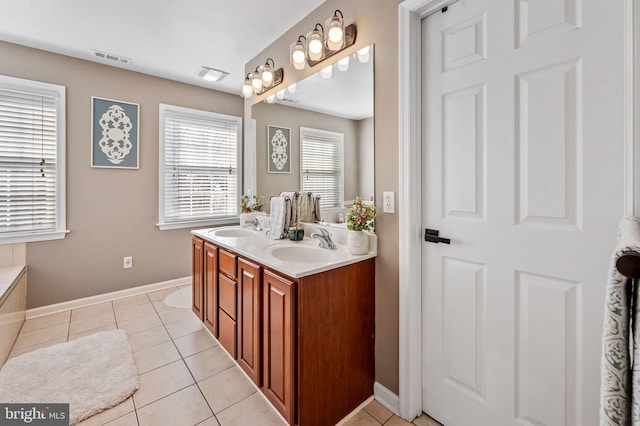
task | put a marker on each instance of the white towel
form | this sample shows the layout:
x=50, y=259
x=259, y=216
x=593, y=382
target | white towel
x=279, y=217
x=620, y=363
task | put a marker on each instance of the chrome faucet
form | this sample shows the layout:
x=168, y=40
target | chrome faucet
x=325, y=239
x=255, y=224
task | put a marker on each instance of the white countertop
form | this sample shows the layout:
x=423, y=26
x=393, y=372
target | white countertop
x=260, y=249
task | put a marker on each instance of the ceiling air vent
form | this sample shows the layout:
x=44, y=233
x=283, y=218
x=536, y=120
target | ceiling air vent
x=108, y=57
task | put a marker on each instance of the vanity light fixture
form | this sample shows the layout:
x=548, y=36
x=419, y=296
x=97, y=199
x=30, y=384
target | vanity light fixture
x=322, y=42
x=262, y=79
x=364, y=54
x=343, y=64
x=327, y=72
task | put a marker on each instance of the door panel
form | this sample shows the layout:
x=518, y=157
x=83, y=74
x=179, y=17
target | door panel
x=522, y=127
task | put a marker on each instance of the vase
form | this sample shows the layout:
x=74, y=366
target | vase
x=357, y=242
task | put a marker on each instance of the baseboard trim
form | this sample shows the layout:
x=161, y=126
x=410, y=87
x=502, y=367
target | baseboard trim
x=106, y=297
x=355, y=411
x=387, y=398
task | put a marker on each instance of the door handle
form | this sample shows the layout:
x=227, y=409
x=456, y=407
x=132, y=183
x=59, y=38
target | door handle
x=432, y=236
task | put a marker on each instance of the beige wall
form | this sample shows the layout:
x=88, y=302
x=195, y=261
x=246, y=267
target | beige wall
x=110, y=213
x=377, y=23
x=271, y=184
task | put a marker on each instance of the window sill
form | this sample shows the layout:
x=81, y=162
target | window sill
x=198, y=223
x=33, y=237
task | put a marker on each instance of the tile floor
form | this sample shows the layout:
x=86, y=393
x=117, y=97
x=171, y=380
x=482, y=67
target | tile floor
x=186, y=378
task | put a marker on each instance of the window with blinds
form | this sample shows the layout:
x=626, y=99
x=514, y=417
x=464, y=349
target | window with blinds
x=321, y=168
x=199, y=167
x=32, y=138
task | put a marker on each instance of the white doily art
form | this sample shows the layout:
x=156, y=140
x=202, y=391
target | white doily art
x=279, y=149
x=116, y=127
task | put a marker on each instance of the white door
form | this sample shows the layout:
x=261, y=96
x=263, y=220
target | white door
x=523, y=170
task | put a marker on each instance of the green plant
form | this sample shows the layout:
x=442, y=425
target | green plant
x=361, y=217
x=253, y=203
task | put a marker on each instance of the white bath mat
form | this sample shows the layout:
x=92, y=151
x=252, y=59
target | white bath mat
x=91, y=373
x=179, y=298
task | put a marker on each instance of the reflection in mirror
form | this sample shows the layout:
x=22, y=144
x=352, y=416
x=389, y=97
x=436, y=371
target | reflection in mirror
x=330, y=150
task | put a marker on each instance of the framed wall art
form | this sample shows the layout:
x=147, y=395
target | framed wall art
x=279, y=149
x=115, y=139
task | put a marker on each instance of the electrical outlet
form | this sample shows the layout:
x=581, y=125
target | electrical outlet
x=389, y=202
x=128, y=262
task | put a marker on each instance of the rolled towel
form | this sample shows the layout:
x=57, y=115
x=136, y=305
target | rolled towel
x=278, y=219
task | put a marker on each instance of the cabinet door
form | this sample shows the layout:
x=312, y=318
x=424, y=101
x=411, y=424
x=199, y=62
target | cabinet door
x=279, y=331
x=249, y=319
x=197, y=283
x=211, y=288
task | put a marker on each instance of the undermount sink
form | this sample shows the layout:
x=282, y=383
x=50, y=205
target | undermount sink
x=232, y=233
x=303, y=254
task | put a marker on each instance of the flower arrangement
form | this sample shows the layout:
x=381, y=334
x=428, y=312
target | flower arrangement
x=361, y=216
x=253, y=203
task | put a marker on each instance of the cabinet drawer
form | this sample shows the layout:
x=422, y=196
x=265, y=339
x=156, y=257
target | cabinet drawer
x=227, y=262
x=228, y=333
x=227, y=296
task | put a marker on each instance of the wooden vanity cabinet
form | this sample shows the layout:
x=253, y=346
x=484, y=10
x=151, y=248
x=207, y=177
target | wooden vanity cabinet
x=307, y=342
x=279, y=339
x=250, y=319
x=227, y=301
x=197, y=277
x=210, y=277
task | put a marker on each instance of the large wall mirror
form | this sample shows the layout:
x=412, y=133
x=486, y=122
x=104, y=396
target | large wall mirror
x=327, y=111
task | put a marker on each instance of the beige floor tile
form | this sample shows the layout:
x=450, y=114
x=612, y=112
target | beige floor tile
x=19, y=351
x=160, y=306
x=425, y=420
x=253, y=410
x=127, y=420
x=141, y=324
x=161, y=382
x=89, y=323
x=31, y=338
x=185, y=326
x=378, y=411
x=397, y=421
x=156, y=356
x=185, y=407
x=136, y=300
x=208, y=363
x=195, y=342
x=158, y=296
x=92, y=310
x=148, y=338
x=226, y=388
x=111, y=414
x=175, y=314
x=46, y=321
x=362, y=418
x=131, y=312
x=93, y=331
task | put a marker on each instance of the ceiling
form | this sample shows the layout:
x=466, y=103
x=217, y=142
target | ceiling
x=169, y=39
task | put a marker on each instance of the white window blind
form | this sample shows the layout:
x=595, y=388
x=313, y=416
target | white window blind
x=321, y=168
x=199, y=167
x=31, y=161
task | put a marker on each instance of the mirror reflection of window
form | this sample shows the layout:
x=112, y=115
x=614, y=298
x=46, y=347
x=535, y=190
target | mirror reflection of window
x=322, y=166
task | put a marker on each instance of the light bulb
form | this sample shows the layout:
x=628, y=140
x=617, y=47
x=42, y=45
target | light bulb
x=247, y=89
x=335, y=32
x=270, y=99
x=315, y=48
x=343, y=64
x=298, y=56
x=256, y=82
x=292, y=88
x=267, y=75
x=281, y=94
